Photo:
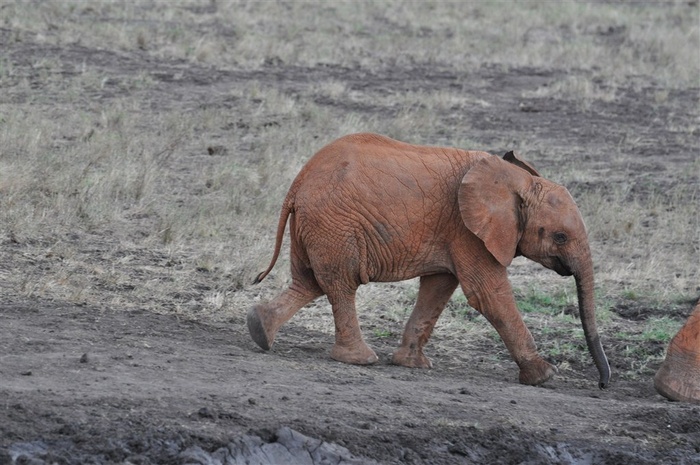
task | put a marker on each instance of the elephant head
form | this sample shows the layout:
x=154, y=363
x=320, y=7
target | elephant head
x=514, y=211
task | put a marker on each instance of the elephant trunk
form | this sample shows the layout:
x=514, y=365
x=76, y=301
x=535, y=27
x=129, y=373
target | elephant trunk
x=584, y=288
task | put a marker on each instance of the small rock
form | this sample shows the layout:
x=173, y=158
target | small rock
x=204, y=412
x=84, y=358
x=217, y=150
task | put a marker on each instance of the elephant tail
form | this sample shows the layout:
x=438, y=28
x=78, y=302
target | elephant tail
x=281, y=225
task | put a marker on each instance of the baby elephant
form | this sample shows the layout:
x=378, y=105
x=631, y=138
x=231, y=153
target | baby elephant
x=369, y=208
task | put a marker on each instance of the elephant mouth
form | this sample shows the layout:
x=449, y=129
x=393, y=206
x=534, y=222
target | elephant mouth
x=561, y=268
x=551, y=262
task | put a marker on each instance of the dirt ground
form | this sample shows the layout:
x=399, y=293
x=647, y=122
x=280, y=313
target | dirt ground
x=91, y=383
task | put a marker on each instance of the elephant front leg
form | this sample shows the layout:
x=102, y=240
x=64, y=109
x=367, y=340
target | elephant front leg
x=433, y=294
x=350, y=346
x=498, y=306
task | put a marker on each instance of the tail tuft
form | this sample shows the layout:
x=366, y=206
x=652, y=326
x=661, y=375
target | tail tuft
x=259, y=277
x=284, y=214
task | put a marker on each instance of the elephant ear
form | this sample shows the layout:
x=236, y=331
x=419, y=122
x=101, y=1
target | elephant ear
x=490, y=198
x=510, y=157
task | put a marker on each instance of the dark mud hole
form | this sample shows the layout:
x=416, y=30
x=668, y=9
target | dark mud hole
x=92, y=384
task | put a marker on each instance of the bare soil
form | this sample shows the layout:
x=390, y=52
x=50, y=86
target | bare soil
x=95, y=383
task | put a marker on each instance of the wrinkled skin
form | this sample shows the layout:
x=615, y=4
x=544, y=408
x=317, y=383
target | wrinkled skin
x=678, y=377
x=369, y=208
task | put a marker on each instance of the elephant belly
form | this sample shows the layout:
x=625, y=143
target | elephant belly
x=398, y=261
x=348, y=246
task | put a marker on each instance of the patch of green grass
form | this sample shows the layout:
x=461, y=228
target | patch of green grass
x=558, y=337
x=562, y=349
x=640, y=346
x=382, y=333
x=660, y=329
x=536, y=301
x=630, y=294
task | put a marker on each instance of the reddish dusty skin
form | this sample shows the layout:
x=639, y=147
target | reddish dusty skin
x=369, y=208
x=678, y=377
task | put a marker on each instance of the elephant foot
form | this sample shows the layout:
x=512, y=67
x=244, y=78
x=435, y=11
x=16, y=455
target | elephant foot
x=263, y=337
x=358, y=354
x=678, y=383
x=411, y=358
x=535, y=372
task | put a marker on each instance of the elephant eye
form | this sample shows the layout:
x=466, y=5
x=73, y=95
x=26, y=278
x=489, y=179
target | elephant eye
x=560, y=237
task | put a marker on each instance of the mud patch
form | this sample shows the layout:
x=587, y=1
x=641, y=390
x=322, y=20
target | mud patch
x=285, y=446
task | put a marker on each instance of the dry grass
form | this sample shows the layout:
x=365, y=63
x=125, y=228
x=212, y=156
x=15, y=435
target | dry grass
x=76, y=173
x=657, y=40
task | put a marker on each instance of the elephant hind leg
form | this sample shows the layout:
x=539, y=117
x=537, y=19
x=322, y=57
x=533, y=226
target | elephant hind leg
x=433, y=294
x=350, y=346
x=264, y=320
